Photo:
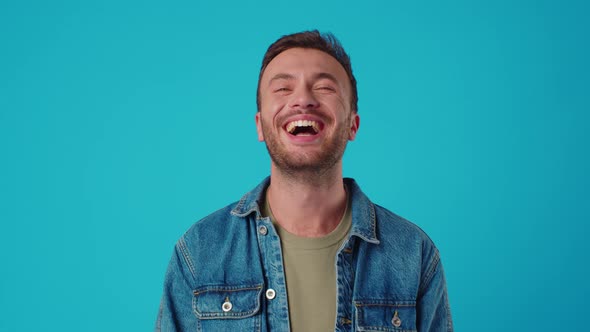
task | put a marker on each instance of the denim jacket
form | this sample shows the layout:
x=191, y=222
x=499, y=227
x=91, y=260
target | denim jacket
x=226, y=274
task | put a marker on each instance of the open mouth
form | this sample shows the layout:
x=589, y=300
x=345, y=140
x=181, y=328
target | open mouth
x=303, y=128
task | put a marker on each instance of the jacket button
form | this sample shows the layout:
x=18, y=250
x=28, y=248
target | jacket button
x=270, y=294
x=396, y=321
x=226, y=306
x=262, y=230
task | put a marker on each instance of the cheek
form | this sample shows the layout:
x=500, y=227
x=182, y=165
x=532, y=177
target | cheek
x=272, y=109
x=277, y=102
x=268, y=98
x=333, y=101
x=267, y=122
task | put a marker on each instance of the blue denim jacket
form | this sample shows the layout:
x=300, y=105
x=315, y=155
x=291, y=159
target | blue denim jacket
x=389, y=274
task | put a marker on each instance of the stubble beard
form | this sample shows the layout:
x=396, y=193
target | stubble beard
x=307, y=166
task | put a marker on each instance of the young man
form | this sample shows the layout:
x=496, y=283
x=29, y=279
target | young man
x=305, y=250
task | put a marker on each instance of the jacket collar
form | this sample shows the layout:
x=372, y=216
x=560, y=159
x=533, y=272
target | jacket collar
x=363, y=210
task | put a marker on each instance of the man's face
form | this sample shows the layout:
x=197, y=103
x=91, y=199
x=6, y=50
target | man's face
x=305, y=113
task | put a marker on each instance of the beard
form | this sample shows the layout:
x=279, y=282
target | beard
x=306, y=164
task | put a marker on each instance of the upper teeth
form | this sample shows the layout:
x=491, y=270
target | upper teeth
x=302, y=123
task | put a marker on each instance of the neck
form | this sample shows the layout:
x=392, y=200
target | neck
x=305, y=204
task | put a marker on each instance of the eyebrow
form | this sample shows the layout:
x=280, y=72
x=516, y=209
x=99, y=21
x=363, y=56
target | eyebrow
x=320, y=75
x=281, y=76
x=326, y=76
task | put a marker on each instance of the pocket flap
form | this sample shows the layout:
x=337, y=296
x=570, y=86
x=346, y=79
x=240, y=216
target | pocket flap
x=381, y=315
x=214, y=302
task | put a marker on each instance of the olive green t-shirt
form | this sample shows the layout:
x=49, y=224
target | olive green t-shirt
x=310, y=272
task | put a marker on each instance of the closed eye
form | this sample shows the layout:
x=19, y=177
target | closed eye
x=325, y=88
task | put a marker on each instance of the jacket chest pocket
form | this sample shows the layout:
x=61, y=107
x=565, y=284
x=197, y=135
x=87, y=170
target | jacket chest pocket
x=381, y=315
x=227, y=308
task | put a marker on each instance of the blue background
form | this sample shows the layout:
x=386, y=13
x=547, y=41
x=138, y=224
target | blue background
x=122, y=123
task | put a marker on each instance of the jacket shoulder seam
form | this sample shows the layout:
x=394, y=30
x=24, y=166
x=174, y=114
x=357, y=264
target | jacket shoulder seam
x=431, y=268
x=186, y=255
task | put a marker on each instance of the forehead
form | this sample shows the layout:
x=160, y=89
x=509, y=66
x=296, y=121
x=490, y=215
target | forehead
x=304, y=61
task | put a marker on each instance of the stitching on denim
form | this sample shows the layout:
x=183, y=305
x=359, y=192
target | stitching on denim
x=381, y=328
x=199, y=324
x=238, y=208
x=186, y=256
x=226, y=289
x=228, y=315
x=159, y=320
x=373, y=222
x=195, y=311
x=257, y=325
x=395, y=305
x=249, y=313
x=448, y=310
x=383, y=303
x=362, y=233
x=432, y=268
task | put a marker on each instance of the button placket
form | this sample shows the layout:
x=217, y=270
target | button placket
x=270, y=244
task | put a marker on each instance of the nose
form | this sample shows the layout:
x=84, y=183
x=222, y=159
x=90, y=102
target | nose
x=303, y=98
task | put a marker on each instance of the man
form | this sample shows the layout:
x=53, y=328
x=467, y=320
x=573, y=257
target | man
x=305, y=250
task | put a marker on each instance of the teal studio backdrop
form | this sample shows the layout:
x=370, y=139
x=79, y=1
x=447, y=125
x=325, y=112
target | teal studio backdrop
x=123, y=122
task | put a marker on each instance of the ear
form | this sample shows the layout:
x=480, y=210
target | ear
x=355, y=122
x=259, y=127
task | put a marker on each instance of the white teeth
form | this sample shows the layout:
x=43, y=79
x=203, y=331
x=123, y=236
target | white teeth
x=302, y=123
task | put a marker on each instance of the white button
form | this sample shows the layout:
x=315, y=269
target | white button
x=226, y=306
x=270, y=293
x=262, y=230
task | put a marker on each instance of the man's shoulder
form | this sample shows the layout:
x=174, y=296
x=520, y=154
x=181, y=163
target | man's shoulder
x=215, y=220
x=389, y=217
x=232, y=215
x=377, y=221
x=394, y=226
x=398, y=235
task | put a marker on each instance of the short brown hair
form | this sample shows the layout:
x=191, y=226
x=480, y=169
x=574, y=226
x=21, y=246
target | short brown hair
x=325, y=42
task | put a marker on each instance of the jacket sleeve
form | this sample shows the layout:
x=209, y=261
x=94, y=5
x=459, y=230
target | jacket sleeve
x=176, y=306
x=433, y=310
